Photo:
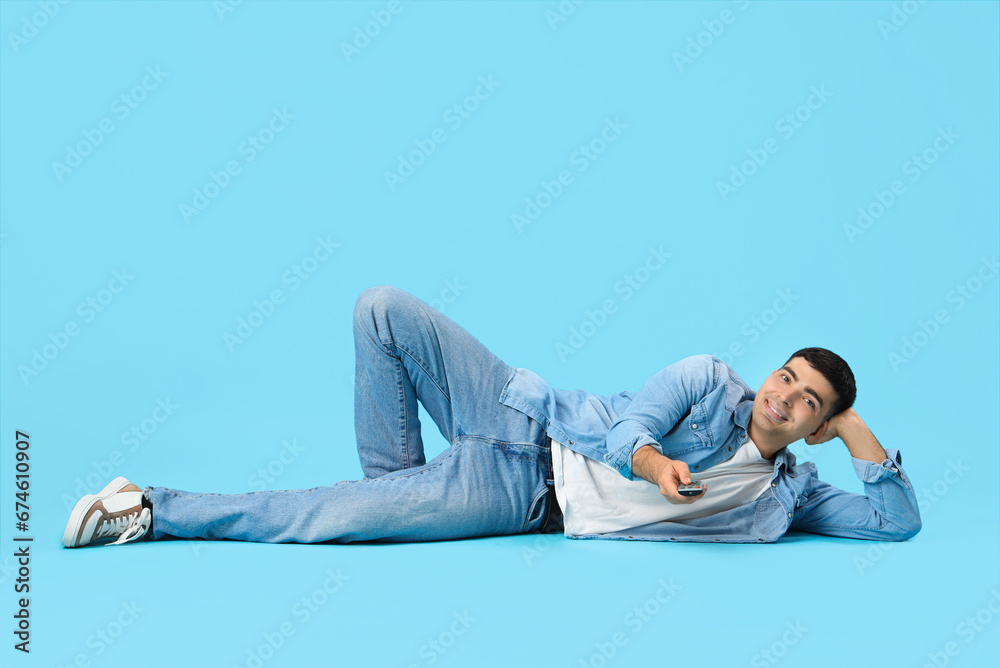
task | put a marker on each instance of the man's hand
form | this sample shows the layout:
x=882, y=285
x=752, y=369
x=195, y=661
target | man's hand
x=828, y=430
x=665, y=473
x=855, y=434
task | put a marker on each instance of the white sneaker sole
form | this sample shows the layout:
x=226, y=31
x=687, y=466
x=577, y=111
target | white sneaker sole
x=84, y=505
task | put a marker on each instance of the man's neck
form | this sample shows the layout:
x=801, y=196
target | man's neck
x=767, y=450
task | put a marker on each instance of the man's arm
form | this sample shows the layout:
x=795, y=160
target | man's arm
x=887, y=511
x=658, y=405
x=855, y=434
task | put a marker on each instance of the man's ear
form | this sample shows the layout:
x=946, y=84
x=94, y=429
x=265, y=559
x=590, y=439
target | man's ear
x=817, y=436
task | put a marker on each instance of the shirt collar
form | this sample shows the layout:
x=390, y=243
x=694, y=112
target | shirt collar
x=741, y=415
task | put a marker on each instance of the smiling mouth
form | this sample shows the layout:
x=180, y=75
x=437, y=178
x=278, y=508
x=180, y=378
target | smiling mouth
x=775, y=415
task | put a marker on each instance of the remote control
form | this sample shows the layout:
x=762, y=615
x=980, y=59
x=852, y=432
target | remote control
x=693, y=489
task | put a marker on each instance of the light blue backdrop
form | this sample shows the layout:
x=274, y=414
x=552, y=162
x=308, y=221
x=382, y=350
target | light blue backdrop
x=595, y=190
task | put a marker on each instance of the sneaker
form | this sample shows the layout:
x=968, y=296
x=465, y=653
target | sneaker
x=117, y=511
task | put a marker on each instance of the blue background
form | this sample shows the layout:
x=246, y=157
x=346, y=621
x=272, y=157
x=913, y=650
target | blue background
x=446, y=234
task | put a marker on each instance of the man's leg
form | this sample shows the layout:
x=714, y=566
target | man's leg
x=477, y=487
x=405, y=351
x=491, y=480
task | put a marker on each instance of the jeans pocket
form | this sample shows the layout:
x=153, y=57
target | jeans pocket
x=536, y=512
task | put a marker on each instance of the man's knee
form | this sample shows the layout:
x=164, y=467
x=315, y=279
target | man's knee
x=375, y=297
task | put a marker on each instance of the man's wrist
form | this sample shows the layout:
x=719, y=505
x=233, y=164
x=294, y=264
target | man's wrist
x=859, y=439
x=647, y=463
x=851, y=421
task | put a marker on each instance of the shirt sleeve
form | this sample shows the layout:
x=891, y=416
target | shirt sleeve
x=888, y=510
x=659, y=405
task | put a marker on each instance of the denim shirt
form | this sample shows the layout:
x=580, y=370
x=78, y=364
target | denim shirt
x=697, y=411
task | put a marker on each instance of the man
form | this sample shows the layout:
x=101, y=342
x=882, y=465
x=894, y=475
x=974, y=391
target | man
x=525, y=457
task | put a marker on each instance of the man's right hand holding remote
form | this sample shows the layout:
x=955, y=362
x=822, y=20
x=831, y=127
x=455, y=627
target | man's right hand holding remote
x=664, y=472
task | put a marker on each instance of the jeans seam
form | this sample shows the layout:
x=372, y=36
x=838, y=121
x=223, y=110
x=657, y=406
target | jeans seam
x=424, y=368
x=424, y=469
x=503, y=447
x=402, y=413
x=402, y=401
x=498, y=440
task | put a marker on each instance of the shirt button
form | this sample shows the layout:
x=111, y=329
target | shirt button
x=772, y=484
x=694, y=425
x=696, y=467
x=730, y=449
x=571, y=442
x=789, y=514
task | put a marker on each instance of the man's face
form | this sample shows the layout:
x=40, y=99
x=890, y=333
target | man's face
x=792, y=403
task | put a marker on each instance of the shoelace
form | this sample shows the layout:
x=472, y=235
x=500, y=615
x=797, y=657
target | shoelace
x=131, y=527
x=114, y=527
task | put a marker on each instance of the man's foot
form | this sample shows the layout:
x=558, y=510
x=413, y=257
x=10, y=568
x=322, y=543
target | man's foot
x=117, y=511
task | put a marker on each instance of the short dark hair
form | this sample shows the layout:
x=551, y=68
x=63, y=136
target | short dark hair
x=837, y=373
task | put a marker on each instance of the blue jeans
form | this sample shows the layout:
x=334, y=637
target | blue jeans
x=493, y=479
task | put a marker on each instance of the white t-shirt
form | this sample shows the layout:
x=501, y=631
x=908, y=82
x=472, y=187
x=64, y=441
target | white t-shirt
x=596, y=498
